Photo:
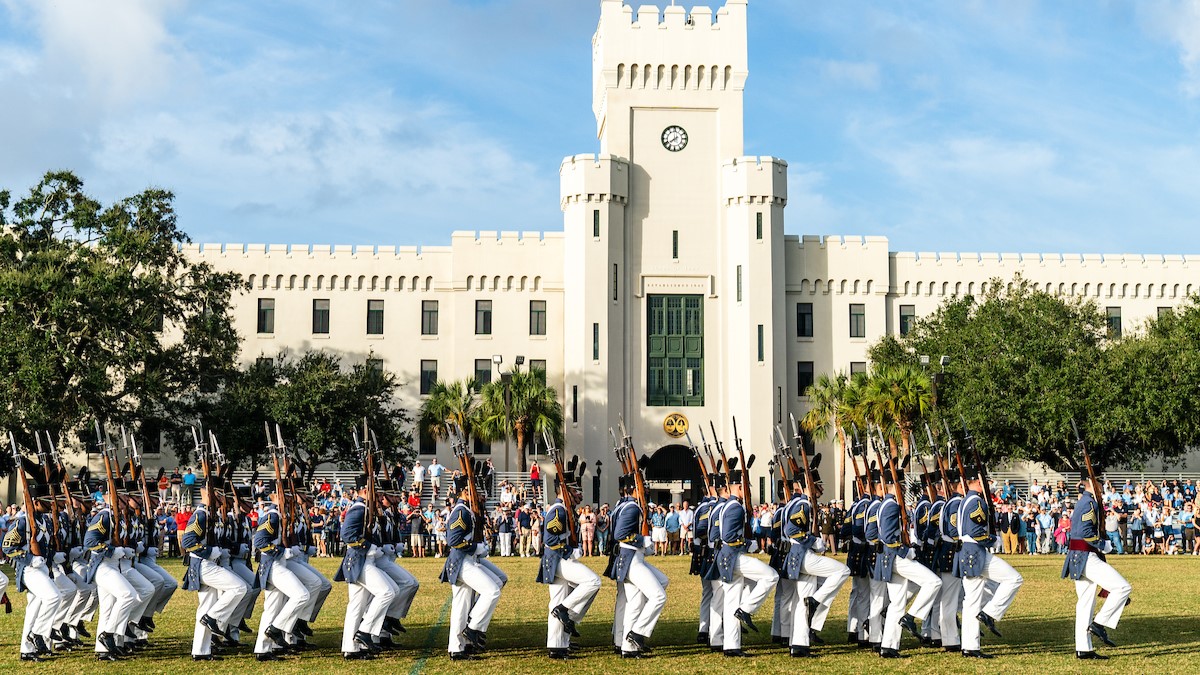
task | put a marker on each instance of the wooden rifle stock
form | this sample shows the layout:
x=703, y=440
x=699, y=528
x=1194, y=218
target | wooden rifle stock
x=983, y=477
x=898, y=491
x=30, y=514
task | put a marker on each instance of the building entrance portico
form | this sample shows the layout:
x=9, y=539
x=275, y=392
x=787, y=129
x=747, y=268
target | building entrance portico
x=673, y=476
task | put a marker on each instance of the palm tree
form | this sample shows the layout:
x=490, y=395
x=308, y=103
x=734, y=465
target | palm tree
x=532, y=409
x=453, y=402
x=826, y=396
x=896, y=399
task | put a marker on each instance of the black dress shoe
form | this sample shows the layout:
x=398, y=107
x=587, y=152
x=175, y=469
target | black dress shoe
x=778, y=640
x=244, y=627
x=475, y=637
x=952, y=648
x=211, y=624
x=935, y=643
x=205, y=657
x=634, y=655
x=1090, y=656
x=716, y=648
x=110, y=644
x=851, y=638
x=43, y=649
x=616, y=650
x=637, y=639
x=32, y=656
x=863, y=644
x=81, y=630
x=746, y=619
x=564, y=617
x=386, y=643
x=815, y=638
x=988, y=621
x=560, y=654
x=100, y=656
x=890, y=653
x=268, y=656
x=702, y=638
x=301, y=628
x=1099, y=631
x=800, y=652
x=461, y=656
x=364, y=656
x=976, y=654
x=276, y=635
x=811, y=604
x=736, y=653
x=877, y=647
x=909, y=623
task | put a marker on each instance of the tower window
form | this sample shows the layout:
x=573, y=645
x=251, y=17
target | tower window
x=758, y=226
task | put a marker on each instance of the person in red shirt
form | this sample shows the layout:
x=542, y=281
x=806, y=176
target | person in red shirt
x=535, y=479
x=414, y=500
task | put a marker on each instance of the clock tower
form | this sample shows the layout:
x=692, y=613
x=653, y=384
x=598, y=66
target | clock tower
x=674, y=245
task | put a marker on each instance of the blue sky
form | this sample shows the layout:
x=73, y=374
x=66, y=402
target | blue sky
x=1012, y=125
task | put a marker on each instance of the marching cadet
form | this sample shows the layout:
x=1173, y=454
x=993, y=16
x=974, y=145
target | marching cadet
x=284, y=596
x=702, y=559
x=736, y=569
x=149, y=585
x=128, y=529
x=785, y=589
x=219, y=590
x=716, y=613
x=978, y=565
x=33, y=576
x=406, y=584
x=371, y=591
x=1085, y=564
x=932, y=543
x=117, y=596
x=318, y=584
x=475, y=590
x=854, y=531
x=88, y=597
x=951, y=597
x=896, y=565
x=816, y=578
x=237, y=539
x=877, y=587
x=573, y=586
x=644, y=585
x=69, y=592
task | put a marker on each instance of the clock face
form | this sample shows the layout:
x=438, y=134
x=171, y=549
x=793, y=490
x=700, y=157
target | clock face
x=674, y=138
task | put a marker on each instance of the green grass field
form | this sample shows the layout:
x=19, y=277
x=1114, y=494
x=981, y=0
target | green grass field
x=1159, y=631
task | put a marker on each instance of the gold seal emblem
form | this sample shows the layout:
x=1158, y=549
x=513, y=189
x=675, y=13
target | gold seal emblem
x=676, y=425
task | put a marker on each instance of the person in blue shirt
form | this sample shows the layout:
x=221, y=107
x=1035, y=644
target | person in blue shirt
x=978, y=565
x=29, y=557
x=573, y=585
x=1086, y=565
x=746, y=580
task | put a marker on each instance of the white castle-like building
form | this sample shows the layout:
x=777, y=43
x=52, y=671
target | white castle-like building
x=671, y=290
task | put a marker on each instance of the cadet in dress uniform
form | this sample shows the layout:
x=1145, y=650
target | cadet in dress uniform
x=69, y=592
x=716, y=614
x=88, y=595
x=33, y=576
x=238, y=539
x=897, y=566
x=878, y=588
x=284, y=596
x=117, y=596
x=747, y=580
x=817, y=579
x=219, y=589
x=371, y=591
x=931, y=543
x=781, y=618
x=318, y=584
x=702, y=558
x=1085, y=564
x=978, y=565
x=573, y=586
x=475, y=590
x=645, y=587
x=951, y=597
x=854, y=531
x=406, y=584
x=148, y=584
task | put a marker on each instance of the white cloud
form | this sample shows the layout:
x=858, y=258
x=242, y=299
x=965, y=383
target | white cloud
x=808, y=209
x=1178, y=21
x=856, y=74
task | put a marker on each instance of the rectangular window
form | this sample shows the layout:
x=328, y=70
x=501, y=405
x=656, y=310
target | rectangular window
x=675, y=350
x=266, y=316
x=1162, y=311
x=575, y=403
x=804, y=319
x=429, y=317
x=858, y=321
x=858, y=367
x=804, y=377
x=595, y=342
x=675, y=244
x=538, y=368
x=428, y=444
x=265, y=361
x=761, y=346
x=483, y=317
x=159, y=320
x=375, y=365
x=739, y=283
x=908, y=314
x=596, y=223
x=758, y=226
x=320, y=322
x=428, y=375
x=483, y=373
x=614, y=284
x=482, y=448
x=537, y=317
x=1114, y=321
x=374, y=317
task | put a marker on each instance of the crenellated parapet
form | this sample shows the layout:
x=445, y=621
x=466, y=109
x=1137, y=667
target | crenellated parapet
x=837, y=264
x=754, y=180
x=588, y=178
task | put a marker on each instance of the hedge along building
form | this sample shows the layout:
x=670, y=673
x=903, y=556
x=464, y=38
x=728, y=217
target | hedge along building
x=672, y=295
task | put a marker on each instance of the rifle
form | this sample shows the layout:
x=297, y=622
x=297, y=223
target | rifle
x=749, y=502
x=61, y=473
x=867, y=485
x=466, y=464
x=279, y=495
x=1087, y=462
x=808, y=479
x=118, y=505
x=962, y=472
x=898, y=491
x=783, y=457
x=983, y=477
x=47, y=472
x=204, y=457
x=367, y=452
x=138, y=472
x=937, y=456
x=639, y=480
x=30, y=514
x=560, y=470
x=912, y=443
x=708, y=488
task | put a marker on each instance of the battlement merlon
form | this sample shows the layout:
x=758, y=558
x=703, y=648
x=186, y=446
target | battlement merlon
x=760, y=180
x=588, y=178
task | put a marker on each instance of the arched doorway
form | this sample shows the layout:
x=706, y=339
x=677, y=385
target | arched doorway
x=672, y=476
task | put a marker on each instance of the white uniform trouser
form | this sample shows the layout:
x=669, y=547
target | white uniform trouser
x=875, y=611
x=496, y=572
x=1008, y=581
x=370, y=597
x=645, y=597
x=245, y=606
x=284, y=598
x=116, y=601
x=86, y=599
x=505, y=544
x=949, y=605
x=474, y=599
x=716, y=614
x=221, y=591
x=1098, y=573
x=150, y=562
x=44, y=599
x=753, y=579
x=785, y=601
x=904, y=572
x=706, y=596
x=145, y=591
x=68, y=595
x=318, y=585
x=406, y=586
x=859, y=607
x=829, y=576
x=149, y=600
x=574, y=587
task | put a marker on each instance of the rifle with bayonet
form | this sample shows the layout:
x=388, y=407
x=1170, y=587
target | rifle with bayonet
x=783, y=457
x=1097, y=491
x=108, y=453
x=983, y=477
x=951, y=444
x=897, y=489
x=35, y=548
x=746, y=498
x=639, y=480
x=809, y=486
x=560, y=470
x=48, y=476
x=937, y=457
x=708, y=488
